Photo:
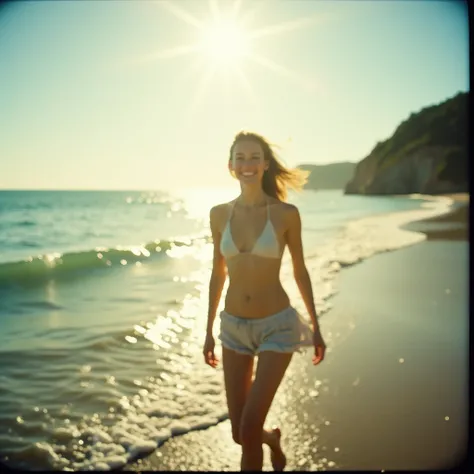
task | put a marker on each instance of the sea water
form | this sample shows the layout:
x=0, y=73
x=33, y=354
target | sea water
x=103, y=307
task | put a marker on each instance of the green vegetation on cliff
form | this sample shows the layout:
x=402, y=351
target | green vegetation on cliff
x=436, y=135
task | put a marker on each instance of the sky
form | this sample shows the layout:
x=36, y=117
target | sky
x=148, y=95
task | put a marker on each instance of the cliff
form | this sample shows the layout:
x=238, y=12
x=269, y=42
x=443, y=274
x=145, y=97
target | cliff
x=427, y=154
x=331, y=176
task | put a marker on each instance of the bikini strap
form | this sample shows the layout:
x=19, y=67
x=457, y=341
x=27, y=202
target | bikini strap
x=231, y=211
x=268, y=210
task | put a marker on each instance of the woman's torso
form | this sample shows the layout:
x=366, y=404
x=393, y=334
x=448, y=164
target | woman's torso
x=255, y=290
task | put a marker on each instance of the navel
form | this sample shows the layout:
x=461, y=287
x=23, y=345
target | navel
x=247, y=298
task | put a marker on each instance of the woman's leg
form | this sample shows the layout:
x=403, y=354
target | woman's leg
x=238, y=380
x=270, y=371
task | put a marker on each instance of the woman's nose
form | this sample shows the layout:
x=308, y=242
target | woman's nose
x=247, y=164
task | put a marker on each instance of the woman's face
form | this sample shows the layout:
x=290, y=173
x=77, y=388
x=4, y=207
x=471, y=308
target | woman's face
x=247, y=161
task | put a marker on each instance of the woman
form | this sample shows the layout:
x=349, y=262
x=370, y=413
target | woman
x=250, y=234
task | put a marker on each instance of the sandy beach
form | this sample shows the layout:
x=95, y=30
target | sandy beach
x=392, y=392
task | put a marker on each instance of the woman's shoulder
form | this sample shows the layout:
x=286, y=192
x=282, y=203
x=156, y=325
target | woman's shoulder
x=222, y=206
x=220, y=211
x=283, y=207
x=288, y=214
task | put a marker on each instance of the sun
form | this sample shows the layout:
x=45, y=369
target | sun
x=225, y=42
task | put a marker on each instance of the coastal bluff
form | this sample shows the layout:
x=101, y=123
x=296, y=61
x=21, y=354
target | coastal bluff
x=427, y=154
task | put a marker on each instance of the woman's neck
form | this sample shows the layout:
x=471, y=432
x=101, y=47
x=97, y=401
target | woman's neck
x=252, y=197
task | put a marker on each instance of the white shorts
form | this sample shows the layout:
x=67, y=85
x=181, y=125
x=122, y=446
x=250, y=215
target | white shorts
x=285, y=331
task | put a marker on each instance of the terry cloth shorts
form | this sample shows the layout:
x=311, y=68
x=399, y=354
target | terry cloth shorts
x=285, y=331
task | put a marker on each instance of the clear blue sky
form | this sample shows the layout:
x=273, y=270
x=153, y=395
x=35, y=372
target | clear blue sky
x=87, y=103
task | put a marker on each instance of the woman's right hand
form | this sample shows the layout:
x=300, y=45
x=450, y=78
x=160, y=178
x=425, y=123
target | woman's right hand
x=319, y=347
x=209, y=355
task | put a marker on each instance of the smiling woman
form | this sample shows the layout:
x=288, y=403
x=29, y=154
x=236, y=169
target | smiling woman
x=225, y=41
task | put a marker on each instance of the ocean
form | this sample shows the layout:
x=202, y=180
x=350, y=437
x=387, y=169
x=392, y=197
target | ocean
x=103, y=307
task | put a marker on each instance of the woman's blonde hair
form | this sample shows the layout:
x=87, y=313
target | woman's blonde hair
x=277, y=178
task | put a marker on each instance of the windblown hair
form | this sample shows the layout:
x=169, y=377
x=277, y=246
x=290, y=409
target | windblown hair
x=278, y=178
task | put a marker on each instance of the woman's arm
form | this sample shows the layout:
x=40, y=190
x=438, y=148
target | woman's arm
x=218, y=274
x=300, y=272
x=303, y=281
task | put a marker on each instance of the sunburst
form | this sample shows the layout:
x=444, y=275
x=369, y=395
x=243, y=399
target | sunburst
x=225, y=43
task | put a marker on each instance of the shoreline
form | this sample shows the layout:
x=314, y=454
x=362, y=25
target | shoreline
x=296, y=391
x=376, y=410
x=453, y=225
x=370, y=405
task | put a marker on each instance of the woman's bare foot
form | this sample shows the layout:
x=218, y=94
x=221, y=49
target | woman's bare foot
x=277, y=456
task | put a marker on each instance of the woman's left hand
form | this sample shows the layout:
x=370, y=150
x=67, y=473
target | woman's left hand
x=319, y=347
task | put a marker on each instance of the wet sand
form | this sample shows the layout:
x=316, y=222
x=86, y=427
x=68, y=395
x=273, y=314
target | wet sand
x=451, y=226
x=392, y=392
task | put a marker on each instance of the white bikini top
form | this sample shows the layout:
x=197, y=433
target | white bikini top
x=266, y=245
